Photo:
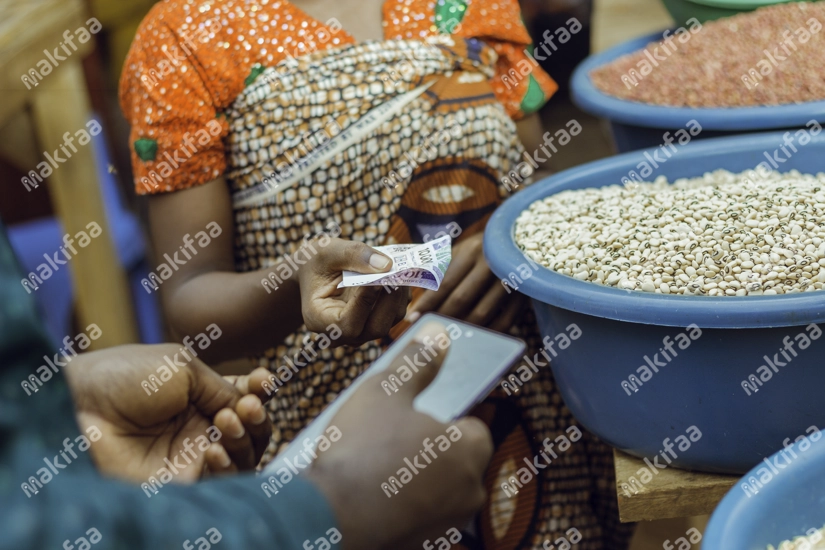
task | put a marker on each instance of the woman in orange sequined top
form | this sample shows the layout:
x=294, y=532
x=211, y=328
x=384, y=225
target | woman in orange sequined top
x=234, y=105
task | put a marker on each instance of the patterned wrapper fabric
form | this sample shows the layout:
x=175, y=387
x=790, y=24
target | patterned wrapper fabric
x=394, y=141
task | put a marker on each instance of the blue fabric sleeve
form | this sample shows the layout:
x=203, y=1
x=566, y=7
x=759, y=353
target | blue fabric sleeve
x=77, y=499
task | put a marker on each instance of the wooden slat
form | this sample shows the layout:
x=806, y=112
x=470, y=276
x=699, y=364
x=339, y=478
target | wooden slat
x=26, y=29
x=60, y=105
x=673, y=493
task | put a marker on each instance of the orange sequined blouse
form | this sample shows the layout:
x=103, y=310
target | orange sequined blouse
x=191, y=58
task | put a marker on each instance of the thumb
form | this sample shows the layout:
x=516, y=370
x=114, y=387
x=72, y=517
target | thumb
x=422, y=350
x=355, y=256
x=209, y=392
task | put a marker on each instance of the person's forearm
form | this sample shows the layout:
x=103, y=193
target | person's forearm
x=236, y=510
x=254, y=310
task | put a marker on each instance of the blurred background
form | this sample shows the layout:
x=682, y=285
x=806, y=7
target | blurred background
x=102, y=285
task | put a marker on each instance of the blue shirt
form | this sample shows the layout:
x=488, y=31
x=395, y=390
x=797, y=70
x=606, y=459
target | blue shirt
x=77, y=501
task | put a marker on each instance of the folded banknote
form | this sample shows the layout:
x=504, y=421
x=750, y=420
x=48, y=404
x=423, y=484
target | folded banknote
x=420, y=265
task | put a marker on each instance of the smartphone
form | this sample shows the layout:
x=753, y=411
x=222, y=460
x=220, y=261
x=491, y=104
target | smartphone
x=477, y=360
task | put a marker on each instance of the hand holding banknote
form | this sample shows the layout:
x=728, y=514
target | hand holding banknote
x=361, y=313
x=470, y=292
x=422, y=265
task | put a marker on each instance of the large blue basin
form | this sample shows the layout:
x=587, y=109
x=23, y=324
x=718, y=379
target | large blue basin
x=702, y=386
x=639, y=125
x=790, y=504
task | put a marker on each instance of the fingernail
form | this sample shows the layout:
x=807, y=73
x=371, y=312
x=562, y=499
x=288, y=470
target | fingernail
x=258, y=416
x=236, y=430
x=379, y=262
x=225, y=461
x=412, y=317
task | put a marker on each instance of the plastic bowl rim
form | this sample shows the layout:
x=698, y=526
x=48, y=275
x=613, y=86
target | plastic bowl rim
x=739, y=4
x=727, y=519
x=555, y=289
x=594, y=101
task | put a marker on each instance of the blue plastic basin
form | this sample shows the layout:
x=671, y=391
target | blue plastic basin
x=702, y=385
x=790, y=504
x=640, y=125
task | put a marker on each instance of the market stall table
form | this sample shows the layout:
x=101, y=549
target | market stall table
x=673, y=493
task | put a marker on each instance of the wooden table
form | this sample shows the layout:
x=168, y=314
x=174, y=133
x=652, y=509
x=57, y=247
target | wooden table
x=616, y=21
x=59, y=104
x=673, y=493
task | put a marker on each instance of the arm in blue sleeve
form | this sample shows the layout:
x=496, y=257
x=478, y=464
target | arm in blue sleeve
x=69, y=506
x=73, y=498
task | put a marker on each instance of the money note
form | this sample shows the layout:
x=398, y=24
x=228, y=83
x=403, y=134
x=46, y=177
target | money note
x=421, y=265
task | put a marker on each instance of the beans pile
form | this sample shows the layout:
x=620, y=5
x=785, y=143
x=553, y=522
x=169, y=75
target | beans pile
x=707, y=70
x=815, y=540
x=722, y=234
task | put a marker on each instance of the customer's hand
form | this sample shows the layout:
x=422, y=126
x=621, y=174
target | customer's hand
x=378, y=431
x=362, y=313
x=470, y=291
x=142, y=429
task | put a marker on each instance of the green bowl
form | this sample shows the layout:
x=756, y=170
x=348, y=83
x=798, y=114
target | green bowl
x=708, y=10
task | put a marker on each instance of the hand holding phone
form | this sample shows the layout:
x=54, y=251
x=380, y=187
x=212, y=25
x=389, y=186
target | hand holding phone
x=381, y=434
x=400, y=468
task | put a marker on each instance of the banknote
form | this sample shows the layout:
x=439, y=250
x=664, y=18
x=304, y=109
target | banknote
x=421, y=265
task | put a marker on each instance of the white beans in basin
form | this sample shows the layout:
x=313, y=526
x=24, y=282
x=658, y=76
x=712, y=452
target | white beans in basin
x=722, y=234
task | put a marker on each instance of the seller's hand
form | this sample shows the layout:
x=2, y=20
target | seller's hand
x=378, y=431
x=362, y=313
x=470, y=291
x=140, y=430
